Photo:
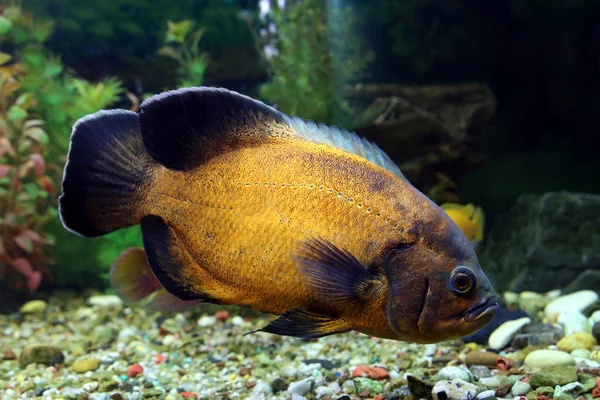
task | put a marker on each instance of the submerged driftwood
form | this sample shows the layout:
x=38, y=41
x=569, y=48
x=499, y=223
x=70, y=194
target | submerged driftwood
x=425, y=129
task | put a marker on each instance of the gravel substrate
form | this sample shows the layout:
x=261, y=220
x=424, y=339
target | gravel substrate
x=98, y=348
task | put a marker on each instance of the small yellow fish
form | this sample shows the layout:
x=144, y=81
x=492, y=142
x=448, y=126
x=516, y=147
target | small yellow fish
x=241, y=204
x=470, y=220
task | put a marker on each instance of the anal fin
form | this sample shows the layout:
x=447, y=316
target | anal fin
x=304, y=324
x=171, y=262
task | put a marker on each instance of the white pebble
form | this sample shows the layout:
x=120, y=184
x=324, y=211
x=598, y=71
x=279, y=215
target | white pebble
x=298, y=397
x=577, y=301
x=456, y=389
x=511, y=298
x=348, y=384
x=502, y=336
x=261, y=388
x=207, y=320
x=105, y=300
x=548, y=358
x=301, y=387
x=573, y=321
x=237, y=320
x=451, y=372
x=90, y=386
x=323, y=391
x=486, y=394
x=572, y=389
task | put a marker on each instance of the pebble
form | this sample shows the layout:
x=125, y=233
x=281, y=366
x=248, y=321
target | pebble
x=487, y=358
x=511, y=299
x=576, y=340
x=105, y=300
x=504, y=333
x=486, y=394
x=520, y=388
x=301, y=387
x=492, y=381
x=135, y=370
x=455, y=389
x=42, y=354
x=375, y=373
x=90, y=386
x=450, y=373
x=323, y=391
x=573, y=321
x=207, y=320
x=548, y=358
x=278, y=384
x=34, y=307
x=9, y=355
x=85, y=365
x=480, y=371
x=532, y=302
x=262, y=388
x=559, y=375
x=572, y=389
x=596, y=330
x=578, y=301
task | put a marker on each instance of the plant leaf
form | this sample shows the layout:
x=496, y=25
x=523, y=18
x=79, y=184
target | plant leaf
x=24, y=242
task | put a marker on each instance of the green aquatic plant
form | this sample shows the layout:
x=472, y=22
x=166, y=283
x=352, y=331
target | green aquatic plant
x=181, y=45
x=318, y=50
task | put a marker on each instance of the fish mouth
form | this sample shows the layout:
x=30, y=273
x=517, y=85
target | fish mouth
x=485, y=307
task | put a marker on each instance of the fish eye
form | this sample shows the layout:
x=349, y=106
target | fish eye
x=462, y=279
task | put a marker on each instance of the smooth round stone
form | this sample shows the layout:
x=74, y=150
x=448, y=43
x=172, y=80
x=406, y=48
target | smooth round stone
x=504, y=333
x=532, y=300
x=85, y=365
x=577, y=340
x=581, y=353
x=486, y=394
x=34, y=307
x=595, y=355
x=105, y=300
x=455, y=389
x=595, y=317
x=520, y=388
x=548, y=358
x=511, y=298
x=451, y=372
x=573, y=321
x=553, y=294
x=577, y=301
x=301, y=387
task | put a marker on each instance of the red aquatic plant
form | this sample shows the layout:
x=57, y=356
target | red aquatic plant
x=26, y=185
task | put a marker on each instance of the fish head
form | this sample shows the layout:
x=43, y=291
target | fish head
x=436, y=288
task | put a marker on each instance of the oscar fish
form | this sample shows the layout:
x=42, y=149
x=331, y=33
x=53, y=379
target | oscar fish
x=241, y=204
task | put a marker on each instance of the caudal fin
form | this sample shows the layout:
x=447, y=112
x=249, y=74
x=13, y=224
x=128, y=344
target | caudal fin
x=105, y=174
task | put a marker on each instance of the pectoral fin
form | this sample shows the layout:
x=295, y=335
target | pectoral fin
x=306, y=325
x=333, y=275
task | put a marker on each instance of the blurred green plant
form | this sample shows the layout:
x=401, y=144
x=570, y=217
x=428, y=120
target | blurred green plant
x=317, y=51
x=27, y=182
x=182, y=45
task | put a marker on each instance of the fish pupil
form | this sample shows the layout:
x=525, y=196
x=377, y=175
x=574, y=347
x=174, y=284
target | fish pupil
x=462, y=280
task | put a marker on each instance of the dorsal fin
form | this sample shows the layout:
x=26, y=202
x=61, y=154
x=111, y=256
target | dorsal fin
x=183, y=128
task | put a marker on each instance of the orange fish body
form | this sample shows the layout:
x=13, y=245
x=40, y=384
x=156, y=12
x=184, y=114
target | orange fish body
x=253, y=210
